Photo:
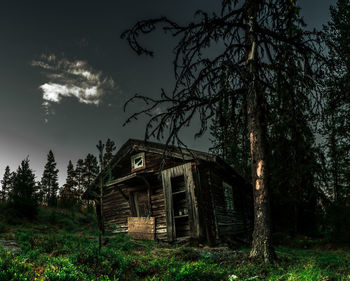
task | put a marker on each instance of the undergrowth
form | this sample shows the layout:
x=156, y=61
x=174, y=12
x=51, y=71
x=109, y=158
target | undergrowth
x=63, y=246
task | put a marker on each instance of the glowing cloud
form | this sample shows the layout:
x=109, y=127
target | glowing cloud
x=71, y=79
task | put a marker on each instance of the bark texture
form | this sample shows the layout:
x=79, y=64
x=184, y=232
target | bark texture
x=262, y=244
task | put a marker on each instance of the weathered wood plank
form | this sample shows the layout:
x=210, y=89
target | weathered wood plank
x=141, y=228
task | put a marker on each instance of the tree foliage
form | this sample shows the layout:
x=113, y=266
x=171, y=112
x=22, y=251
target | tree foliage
x=90, y=170
x=109, y=151
x=49, y=181
x=336, y=121
x=6, y=184
x=79, y=176
x=22, y=198
x=68, y=193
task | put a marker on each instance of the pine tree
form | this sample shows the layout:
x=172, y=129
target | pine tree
x=22, y=198
x=336, y=122
x=292, y=147
x=79, y=177
x=109, y=151
x=49, y=181
x=68, y=194
x=6, y=184
x=90, y=170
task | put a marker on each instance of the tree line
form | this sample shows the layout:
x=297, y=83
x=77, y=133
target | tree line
x=23, y=194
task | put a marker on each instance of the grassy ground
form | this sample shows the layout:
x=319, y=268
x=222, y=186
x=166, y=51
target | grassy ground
x=61, y=245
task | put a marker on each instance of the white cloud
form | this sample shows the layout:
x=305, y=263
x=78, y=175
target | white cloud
x=71, y=79
x=53, y=92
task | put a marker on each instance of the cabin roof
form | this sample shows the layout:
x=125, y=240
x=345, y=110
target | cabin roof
x=183, y=153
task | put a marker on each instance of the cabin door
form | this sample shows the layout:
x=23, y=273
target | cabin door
x=141, y=203
x=180, y=203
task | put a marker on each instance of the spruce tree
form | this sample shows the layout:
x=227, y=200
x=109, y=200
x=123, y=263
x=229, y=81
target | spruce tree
x=336, y=122
x=22, y=198
x=90, y=170
x=79, y=177
x=109, y=151
x=68, y=192
x=6, y=184
x=292, y=147
x=49, y=181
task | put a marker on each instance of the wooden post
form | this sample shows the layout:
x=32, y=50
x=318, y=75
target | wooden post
x=100, y=148
x=101, y=215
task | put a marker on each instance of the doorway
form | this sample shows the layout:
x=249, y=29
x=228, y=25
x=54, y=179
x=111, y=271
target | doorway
x=180, y=207
x=141, y=203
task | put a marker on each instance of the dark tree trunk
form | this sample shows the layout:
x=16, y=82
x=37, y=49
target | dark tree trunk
x=335, y=166
x=262, y=244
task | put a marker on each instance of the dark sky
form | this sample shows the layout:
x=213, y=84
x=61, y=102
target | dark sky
x=65, y=74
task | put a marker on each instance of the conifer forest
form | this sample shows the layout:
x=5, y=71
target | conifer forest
x=237, y=169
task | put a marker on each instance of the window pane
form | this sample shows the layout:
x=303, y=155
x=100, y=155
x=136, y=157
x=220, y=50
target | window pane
x=228, y=197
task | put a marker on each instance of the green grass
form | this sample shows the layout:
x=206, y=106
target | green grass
x=61, y=245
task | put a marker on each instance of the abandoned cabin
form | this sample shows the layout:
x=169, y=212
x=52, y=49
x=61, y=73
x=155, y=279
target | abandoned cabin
x=180, y=195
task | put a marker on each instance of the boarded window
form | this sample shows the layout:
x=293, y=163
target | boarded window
x=228, y=194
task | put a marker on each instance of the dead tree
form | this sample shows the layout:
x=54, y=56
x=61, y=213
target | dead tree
x=243, y=40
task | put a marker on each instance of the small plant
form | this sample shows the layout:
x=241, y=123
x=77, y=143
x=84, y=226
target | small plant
x=199, y=271
x=62, y=269
x=15, y=269
x=25, y=240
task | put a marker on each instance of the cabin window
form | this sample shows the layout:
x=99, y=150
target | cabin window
x=138, y=161
x=228, y=196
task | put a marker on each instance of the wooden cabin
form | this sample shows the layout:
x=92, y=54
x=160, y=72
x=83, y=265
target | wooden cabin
x=180, y=195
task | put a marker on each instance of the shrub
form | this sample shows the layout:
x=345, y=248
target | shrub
x=25, y=240
x=49, y=244
x=14, y=269
x=62, y=269
x=66, y=223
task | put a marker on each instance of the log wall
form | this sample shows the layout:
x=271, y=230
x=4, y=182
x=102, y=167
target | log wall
x=210, y=221
x=228, y=223
x=117, y=209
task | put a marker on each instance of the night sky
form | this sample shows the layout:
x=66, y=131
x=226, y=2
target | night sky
x=65, y=74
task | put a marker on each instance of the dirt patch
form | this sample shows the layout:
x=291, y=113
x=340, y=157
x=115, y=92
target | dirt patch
x=10, y=246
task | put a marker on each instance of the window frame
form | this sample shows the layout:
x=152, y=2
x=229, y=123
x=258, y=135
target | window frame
x=229, y=206
x=136, y=156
